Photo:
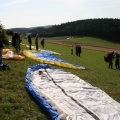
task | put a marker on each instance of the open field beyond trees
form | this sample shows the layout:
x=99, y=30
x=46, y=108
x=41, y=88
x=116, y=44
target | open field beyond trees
x=17, y=104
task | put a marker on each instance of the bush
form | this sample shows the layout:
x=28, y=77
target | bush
x=3, y=36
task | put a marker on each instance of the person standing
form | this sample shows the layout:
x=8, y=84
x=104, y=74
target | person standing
x=42, y=43
x=76, y=49
x=79, y=50
x=117, y=64
x=111, y=57
x=1, y=47
x=36, y=41
x=72, y=50
x=18, y=42
x=2, y=65
x=29, y=41
x=14, y=40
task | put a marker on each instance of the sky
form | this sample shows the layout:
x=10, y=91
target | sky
x=33, y=13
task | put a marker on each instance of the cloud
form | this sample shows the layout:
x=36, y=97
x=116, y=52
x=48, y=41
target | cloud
x=105, y=3
x=66, y=3
x=74, y=3
x=12, y=3
x=78, y=2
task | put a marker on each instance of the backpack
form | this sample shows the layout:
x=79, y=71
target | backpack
x=107, y=58
x=4, y=67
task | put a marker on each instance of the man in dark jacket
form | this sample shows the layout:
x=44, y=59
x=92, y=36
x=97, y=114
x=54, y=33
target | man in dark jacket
x=1, y=47
x=2, y=66
x=29, y=41
x=79, y=50
x=111, y=57
x=117, y=65
x=14, y=40
x=42, y=43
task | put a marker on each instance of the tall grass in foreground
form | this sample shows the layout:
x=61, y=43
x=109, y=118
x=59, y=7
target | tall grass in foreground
x=15, y=101
x=17, y=104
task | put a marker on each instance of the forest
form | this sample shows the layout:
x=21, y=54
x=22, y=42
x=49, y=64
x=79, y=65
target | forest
x=104, y=28
x=108, y=29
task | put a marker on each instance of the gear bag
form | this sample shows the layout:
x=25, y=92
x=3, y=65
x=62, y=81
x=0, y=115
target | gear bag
x=4, y=67
x=107, y=58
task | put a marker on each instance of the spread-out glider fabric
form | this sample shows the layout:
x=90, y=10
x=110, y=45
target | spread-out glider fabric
x=10, y=54
x=65, y=96
x=42, y=50
x=4, y=51
x=48, y=58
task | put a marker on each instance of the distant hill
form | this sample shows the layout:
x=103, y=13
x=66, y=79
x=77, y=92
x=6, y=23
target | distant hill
x=23, y=31
x=105, y=28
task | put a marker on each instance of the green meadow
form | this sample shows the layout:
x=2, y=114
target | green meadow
x=87, y=41
x=17, y=104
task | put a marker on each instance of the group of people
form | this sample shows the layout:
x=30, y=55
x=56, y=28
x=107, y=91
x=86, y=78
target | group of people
x=114, y=55
x=36, y=41
x=111, y=56
x=16, y=44
x=16, y=40
x=77, y=50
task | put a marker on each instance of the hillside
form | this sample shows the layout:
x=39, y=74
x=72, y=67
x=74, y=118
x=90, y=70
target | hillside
x=106, y=28
x=23, y=31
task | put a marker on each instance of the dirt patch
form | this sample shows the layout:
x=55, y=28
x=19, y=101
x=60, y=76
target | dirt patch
x=92, y=47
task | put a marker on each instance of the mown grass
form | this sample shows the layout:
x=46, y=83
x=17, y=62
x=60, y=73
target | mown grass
x=15, y=101
x=17, y=104
x=88, y=41
x=98, y=75
x=94, y=41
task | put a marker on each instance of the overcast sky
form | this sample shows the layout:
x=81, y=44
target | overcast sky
x=31, y=13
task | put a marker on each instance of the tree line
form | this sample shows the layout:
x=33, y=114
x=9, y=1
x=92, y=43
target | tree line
x=106, y=28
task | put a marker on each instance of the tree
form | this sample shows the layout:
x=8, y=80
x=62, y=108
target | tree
x=4, y=36
x=9, y=32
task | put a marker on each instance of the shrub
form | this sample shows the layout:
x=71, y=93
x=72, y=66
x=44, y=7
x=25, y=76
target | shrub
x=3, y=36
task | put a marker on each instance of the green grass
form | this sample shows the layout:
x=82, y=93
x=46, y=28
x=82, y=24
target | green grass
x=88, y=41
x=95, y=41
x=17, y=104
x=98, y=75
x=15, y=101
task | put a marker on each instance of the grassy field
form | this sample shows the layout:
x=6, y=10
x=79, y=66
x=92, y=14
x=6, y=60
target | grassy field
x=17, y=104
x=87, y=41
